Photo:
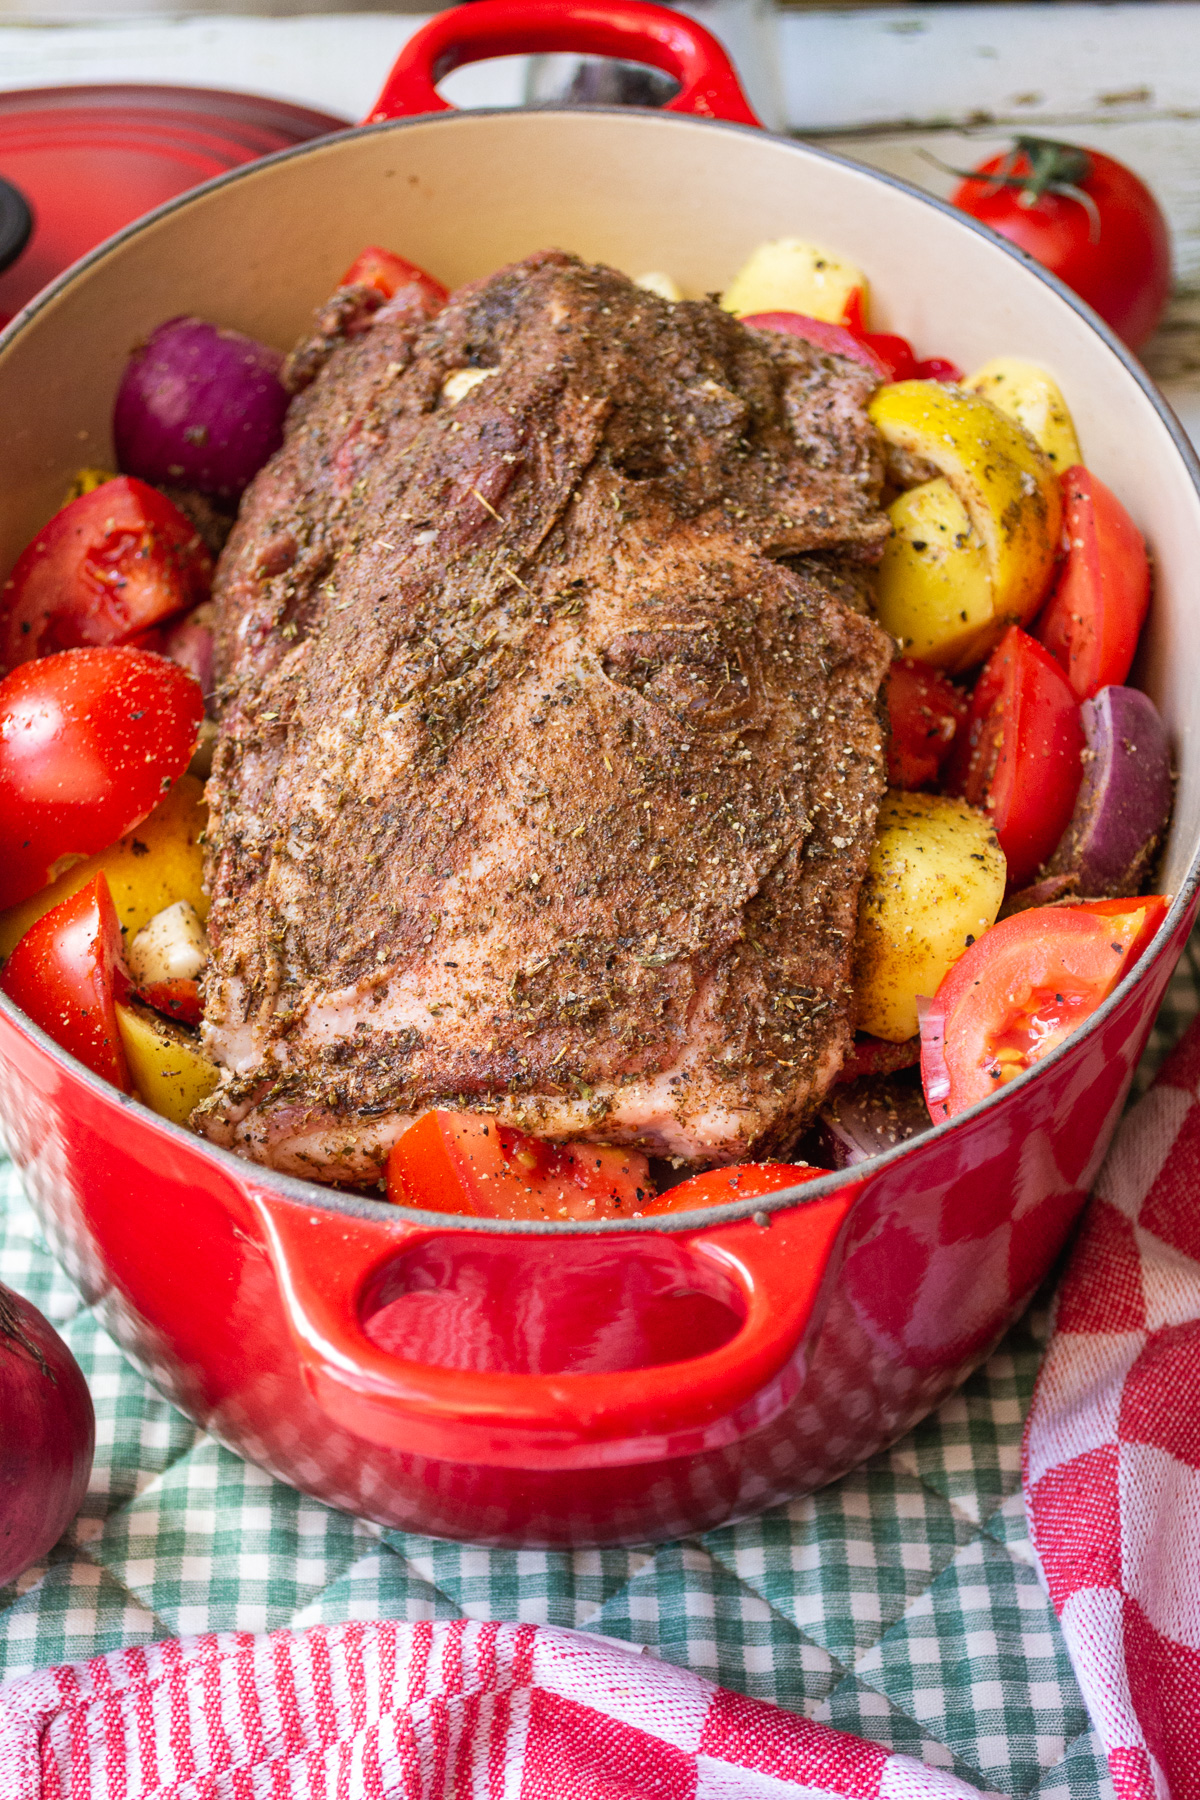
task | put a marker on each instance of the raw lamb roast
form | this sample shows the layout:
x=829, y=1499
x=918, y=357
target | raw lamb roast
x=549, y=754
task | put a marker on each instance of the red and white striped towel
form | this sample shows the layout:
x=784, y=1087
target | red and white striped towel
x=470, y=1711
x=1112, y=1445
x=457, y=1711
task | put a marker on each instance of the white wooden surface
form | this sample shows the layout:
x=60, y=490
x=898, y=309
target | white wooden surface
x=333, y=61
x=888, y=65
x=881, y=84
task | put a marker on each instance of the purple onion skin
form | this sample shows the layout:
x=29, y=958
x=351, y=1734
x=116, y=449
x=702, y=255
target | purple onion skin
x=1124, y=802
x=199, y=407
x=868, y=1117
x=47, y=1434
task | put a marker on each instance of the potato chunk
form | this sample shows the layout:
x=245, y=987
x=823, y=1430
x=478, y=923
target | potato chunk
x=1031, y=397
x=656, y=282
x=86, y=481
x=934, y=591
x=934, y=884
x=159, y=861
x=168, y=1069
x=788, y=275
x=1006, y=485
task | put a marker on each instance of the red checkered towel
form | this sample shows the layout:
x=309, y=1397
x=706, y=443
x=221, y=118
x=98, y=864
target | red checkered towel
x=458, y=1711
x=469, y=1711
x=1112, y=1445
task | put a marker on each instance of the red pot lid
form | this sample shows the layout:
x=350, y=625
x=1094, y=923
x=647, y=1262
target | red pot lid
x=89, y=160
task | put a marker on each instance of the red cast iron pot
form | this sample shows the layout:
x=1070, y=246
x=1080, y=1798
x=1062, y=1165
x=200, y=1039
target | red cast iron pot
x=523, y=1391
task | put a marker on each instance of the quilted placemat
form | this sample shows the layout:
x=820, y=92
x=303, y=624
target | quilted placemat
x=901, y=1603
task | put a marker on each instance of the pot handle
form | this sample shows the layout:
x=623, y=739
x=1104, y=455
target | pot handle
x=630, y=29
x=326, y=1263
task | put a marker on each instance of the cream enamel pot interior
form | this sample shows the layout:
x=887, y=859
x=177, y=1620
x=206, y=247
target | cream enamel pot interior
x=863, y=1298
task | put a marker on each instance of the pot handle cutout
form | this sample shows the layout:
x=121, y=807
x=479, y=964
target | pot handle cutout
x=629, y=29
x=751, y=1295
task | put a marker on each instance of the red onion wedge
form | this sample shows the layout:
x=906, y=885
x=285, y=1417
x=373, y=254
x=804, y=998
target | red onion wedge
x=1124, y=802
x=935, y=1073
x=1053, y=890
x=835, y=340
x=189, y=642
x=49, y=1432
x=875, y=1056
x=869, y=1117
x=200, y=407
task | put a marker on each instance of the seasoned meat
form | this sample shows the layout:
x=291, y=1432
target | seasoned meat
x=544, y=787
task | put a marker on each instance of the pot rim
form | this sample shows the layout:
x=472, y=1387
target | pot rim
x=356, y=1205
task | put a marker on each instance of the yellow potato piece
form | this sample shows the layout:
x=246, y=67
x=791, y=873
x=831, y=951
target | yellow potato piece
x=169, y=1072
x=788, y=275
x=1006, y=485
x=158, y=862
x=656, y=282
x=86, y=481
x=1031, y=397
x=934, y=884
x=933, y=592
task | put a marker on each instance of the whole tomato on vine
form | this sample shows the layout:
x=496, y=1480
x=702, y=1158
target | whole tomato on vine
x=1085, y=217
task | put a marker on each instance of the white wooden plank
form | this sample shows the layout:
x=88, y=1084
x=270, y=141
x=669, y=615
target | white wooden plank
x=333, y=61
x=329, y=62
x=1184, y=397
x=952, y=64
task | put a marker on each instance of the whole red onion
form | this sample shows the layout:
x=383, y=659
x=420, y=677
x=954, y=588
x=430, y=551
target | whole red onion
x=199, y=407
x=47, y=1433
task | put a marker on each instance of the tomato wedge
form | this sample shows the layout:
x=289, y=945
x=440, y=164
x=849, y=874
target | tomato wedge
x=937, y=368
x=466, y=1163
x=1093, y=619
x=1020, y=754
x=62, y=976
x=177, y=999
x=90, y=741
x=895, y=351
x=389, y=274
x=721, y=1187
x=925, y=711
x=1022, y=988
x=111, y=564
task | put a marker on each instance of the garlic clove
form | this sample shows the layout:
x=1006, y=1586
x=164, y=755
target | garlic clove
x=172, y=947
x=457, y=386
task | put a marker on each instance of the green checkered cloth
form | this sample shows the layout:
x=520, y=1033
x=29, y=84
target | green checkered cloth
x=901, y=1603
